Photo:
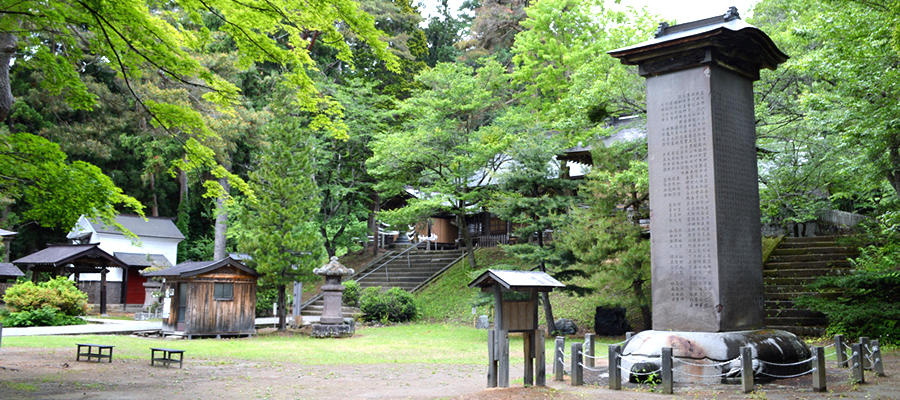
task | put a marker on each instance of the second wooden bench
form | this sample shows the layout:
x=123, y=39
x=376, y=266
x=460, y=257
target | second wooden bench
x=168, y=356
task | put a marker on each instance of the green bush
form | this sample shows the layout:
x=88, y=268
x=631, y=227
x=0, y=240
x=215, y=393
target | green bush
x=395, y=305
x=59, y=293
x=867, y=306
x=44, y=316
x=351, y=293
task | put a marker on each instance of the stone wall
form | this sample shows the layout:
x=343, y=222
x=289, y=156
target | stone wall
x=92, y=288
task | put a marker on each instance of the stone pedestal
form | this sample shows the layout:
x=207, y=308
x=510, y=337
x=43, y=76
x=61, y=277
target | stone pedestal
x=700, y=357
x=149, y=288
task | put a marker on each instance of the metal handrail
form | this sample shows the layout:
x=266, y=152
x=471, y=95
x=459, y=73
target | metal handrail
x=389, y=261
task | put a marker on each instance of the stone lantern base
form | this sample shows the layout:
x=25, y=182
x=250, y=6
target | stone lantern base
x=346, y=329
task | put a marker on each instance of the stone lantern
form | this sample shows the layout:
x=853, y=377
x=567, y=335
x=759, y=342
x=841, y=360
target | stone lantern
x=332, y=322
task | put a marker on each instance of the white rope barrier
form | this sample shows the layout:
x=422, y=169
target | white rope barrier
x=564, y=353
x=788, y=364
x=787, y=376
x=706, y=365
x=585, y=355
x=590, y=369
x=640, y=373
x=705, y=376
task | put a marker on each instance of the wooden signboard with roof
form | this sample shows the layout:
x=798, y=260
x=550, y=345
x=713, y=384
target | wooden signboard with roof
x=519, y=315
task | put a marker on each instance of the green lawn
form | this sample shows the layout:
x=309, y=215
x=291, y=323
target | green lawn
x=408, y=343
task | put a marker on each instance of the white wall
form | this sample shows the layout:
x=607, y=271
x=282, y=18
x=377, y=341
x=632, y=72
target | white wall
x=120, y=244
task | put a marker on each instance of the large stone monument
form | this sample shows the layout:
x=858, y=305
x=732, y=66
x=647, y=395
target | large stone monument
x=332, y=322
x=704, y=193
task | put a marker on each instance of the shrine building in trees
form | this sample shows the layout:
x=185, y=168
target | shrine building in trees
x=208, y=298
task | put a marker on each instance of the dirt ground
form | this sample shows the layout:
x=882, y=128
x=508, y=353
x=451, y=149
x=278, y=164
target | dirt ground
x=28, y=373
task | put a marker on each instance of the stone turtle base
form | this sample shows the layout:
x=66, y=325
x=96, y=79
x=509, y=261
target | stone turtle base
x=714, y=357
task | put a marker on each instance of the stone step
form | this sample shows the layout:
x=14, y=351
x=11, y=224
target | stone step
x=813, y=239
x=792, y=313
x=814, y=250
x=825, y=257
x=789, y=280
x=814, y=331
x=793, y=295
x=798, y=321
x=805, y=272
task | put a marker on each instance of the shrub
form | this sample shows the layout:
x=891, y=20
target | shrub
x=44, y=316
x=867, y=307
x=395, y=305
x=351, y=293
x=59, y=294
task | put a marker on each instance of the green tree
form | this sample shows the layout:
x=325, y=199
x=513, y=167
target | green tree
x=448, y=150
x=605, y=235
x=563, y=79
x=51, y=191
x=534, y=195
x=278, y=228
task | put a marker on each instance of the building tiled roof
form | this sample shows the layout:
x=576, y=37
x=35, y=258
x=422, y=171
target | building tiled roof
x=143, y=260
x=8, y=270
x=65, y=254
x=191, y=268
x=152, y=227
x=4, y=232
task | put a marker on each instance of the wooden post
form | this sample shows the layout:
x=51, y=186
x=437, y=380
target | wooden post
x=864, y=351
x=503, y=375
x=103, y=291
x=541, y=359
x=841, y=350
x=577, y=370
x=589, y=339
x=666, y=370
x=877, y=364
x=1, y=334
x=856, y=368
x=492, y=359
x=502, y=338
x=615, y=374
x=558, y=366
x=818, y=374
x=747, y=369
x=528, y=340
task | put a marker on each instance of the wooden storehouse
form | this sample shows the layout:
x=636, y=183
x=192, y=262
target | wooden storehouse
x=209, y=298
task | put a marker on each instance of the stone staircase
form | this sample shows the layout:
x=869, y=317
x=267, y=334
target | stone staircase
x=795, y=263
x=408, y=271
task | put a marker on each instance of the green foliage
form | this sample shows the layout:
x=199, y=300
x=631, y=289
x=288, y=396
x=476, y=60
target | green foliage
x=605, y=236
x=44, y=316
x=864, y=303
x=351, y=293
x=867, y=304
x=54, y=302
x=394, y=305
x=55, y=192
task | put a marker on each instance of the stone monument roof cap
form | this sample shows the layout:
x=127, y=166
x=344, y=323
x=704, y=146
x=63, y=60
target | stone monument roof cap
x=704, y=32
x=334, y=267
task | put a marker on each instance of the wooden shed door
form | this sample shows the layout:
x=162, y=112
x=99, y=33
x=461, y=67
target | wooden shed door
x=182, y=306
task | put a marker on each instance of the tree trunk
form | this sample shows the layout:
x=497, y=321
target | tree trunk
x=282, y=308
x=646, y=314
x=8, y=45
x=893, y=175
x=220, y=251
x=154, y=208
x=467, y=238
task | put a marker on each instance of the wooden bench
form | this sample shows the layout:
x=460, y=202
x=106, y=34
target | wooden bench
x=167, y=358
x=94, y=351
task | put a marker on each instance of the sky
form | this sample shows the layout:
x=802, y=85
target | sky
x=679, y=10
x=691, y=10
